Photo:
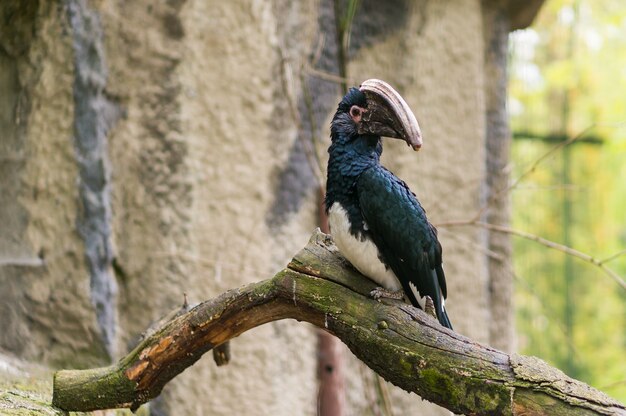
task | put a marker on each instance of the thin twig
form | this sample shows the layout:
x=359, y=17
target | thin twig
x=561, y=187
x=538, y=161
x=613, y=257
x=310, y=148
x=310, y=151
x=353, y=5
x=318, y=49
x=383, y=391
x=22, y=262
x=543, y=241
x=613, y=385
x=370, y=396
x=496, y=195
x=524, y=284
x=341, y=50
x=327, y=76
x=475, y=245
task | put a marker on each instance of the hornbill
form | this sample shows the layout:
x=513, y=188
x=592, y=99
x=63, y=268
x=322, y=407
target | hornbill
x=375, y=220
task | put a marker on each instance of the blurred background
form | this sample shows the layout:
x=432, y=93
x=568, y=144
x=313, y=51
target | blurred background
x=567, y=83
x=154, y=149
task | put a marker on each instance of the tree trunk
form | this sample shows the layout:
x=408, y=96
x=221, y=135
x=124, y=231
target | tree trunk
x=496, y=205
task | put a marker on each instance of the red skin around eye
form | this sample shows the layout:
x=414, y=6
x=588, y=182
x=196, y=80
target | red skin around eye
x=356, y=113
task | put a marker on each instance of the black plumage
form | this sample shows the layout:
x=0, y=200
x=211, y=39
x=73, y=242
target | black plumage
x=378, y=207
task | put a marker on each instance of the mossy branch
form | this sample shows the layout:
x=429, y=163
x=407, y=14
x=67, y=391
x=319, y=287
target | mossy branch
x=399, y=342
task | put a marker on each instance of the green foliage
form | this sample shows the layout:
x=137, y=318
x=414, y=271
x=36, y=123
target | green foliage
x=568, y=75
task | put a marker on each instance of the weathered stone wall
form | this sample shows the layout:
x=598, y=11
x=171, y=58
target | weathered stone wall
x=147, y=145
x=45, y=312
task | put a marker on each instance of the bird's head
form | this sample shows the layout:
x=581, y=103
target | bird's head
x=375, y=108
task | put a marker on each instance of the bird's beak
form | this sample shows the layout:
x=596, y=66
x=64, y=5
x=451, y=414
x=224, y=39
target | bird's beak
x=387, y=114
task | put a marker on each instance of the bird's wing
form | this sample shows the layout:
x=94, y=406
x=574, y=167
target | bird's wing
x=397, y=224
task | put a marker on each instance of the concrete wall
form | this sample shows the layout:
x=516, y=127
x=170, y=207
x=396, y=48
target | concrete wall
x=150, y=148
x=46, y=311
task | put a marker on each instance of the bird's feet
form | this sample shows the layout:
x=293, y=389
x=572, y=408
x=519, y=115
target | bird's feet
x=429, y=307
x=381, y=292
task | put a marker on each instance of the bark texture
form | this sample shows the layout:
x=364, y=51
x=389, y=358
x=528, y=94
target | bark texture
x=401, y=343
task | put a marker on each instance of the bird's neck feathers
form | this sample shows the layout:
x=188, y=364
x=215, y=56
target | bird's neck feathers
x=350, y=154
x=348, y=148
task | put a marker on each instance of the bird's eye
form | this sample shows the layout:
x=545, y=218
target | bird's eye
x=355, y=111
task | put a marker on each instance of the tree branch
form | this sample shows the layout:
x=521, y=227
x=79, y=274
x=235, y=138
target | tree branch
x=399, y=342
x=601, y=264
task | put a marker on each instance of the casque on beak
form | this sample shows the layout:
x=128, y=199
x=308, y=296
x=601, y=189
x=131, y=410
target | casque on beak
x=387, y=114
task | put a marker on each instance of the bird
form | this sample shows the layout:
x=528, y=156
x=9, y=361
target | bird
x=375, y=220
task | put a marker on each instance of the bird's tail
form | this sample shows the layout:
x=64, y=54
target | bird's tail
x=443, y=318
x=440, y=283
x=433, y=287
